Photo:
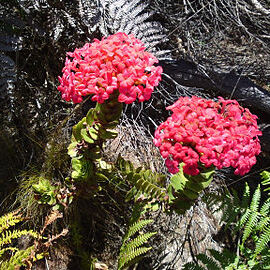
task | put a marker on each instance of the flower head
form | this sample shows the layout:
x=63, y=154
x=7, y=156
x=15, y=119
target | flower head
x=118, y=62
x=205, y=133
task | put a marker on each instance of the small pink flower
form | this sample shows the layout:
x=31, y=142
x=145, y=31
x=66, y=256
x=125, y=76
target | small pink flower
x=220, y=134
x=116, y=62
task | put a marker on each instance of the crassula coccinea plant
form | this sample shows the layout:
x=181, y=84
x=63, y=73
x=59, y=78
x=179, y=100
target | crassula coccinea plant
x=202, y=133
x=115, y=63
x=112, y=71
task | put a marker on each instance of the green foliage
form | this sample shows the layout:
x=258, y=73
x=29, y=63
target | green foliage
x=17, y=259
x=46, y=193
x=145, y=182
x=224, y=260
x=82, y=169
x=88, y=137
x=249, y=218
x=7, y=237
x=9, y=220
x=132, y=247
x=231, y=205
x=185, y=189
x=266, y=180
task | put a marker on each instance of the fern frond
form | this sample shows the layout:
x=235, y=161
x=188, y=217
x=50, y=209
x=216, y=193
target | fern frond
x=224, y=258
x=3, y=250
x=126, y=258
x=132, y=17
x=136, y=227
x=132, y=248
x=16, y=260
x=8, y=236
x=263, y=241
x=249, y=227
x=150, y=189
x=253, y=215
x=208, y=262
x=245, y=205
x=244, y=218
x=265, y=209
x=266, y=180
x=244, y=202
x=138, y=241
x=146, y=183
x=193, y=266
x=9, y=220
x=264, y=216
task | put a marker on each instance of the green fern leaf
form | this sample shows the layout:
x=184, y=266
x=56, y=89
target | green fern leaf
x=263, y=241
x=224, y=258
x=126, y=258
x=193, y=266
x=16, y=260
x=8, y=236
x=208, y=262
x=244, y=218
x=9, y=220
x=256, y=199
x=132, y=249
x=138, y=241
x=266, y=180
x=253, y=216
x=265, y=209
x=264, y=216
x=136, y=227
x=3, y=250
x=148, y=188
x=244, y=202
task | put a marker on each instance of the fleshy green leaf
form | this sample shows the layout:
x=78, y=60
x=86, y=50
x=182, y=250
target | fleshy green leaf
x=85, y=136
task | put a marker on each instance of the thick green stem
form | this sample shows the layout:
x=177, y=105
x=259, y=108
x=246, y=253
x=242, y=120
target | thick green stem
x=89, y=135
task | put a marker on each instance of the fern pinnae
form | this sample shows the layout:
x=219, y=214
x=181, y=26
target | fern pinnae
x=265, y=209
x=129, y=5
x=262, y=224
x=224, y=258
x=263, y=241
x=244, y=218
x=264, y=216
x=136, y=22
x=132, y=248
x=208, y=262
x=193, y=266
x=252, y=220
x=8, y=236
x=265, y=179
x=127, y=259
x=256, y=199
x=138, y=9
x=138, y=241
x=12, y=249
x=136, y=227
x=147, y=29
x=253, y=217
x=9, y=220
x=147, y=187
x=244, y=203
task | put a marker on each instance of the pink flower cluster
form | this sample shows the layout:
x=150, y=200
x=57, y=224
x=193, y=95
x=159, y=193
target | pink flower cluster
x=202, y=132
x=116, y=62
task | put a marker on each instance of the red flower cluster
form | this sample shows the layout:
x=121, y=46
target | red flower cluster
x=208, y=133
x=116, y=62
